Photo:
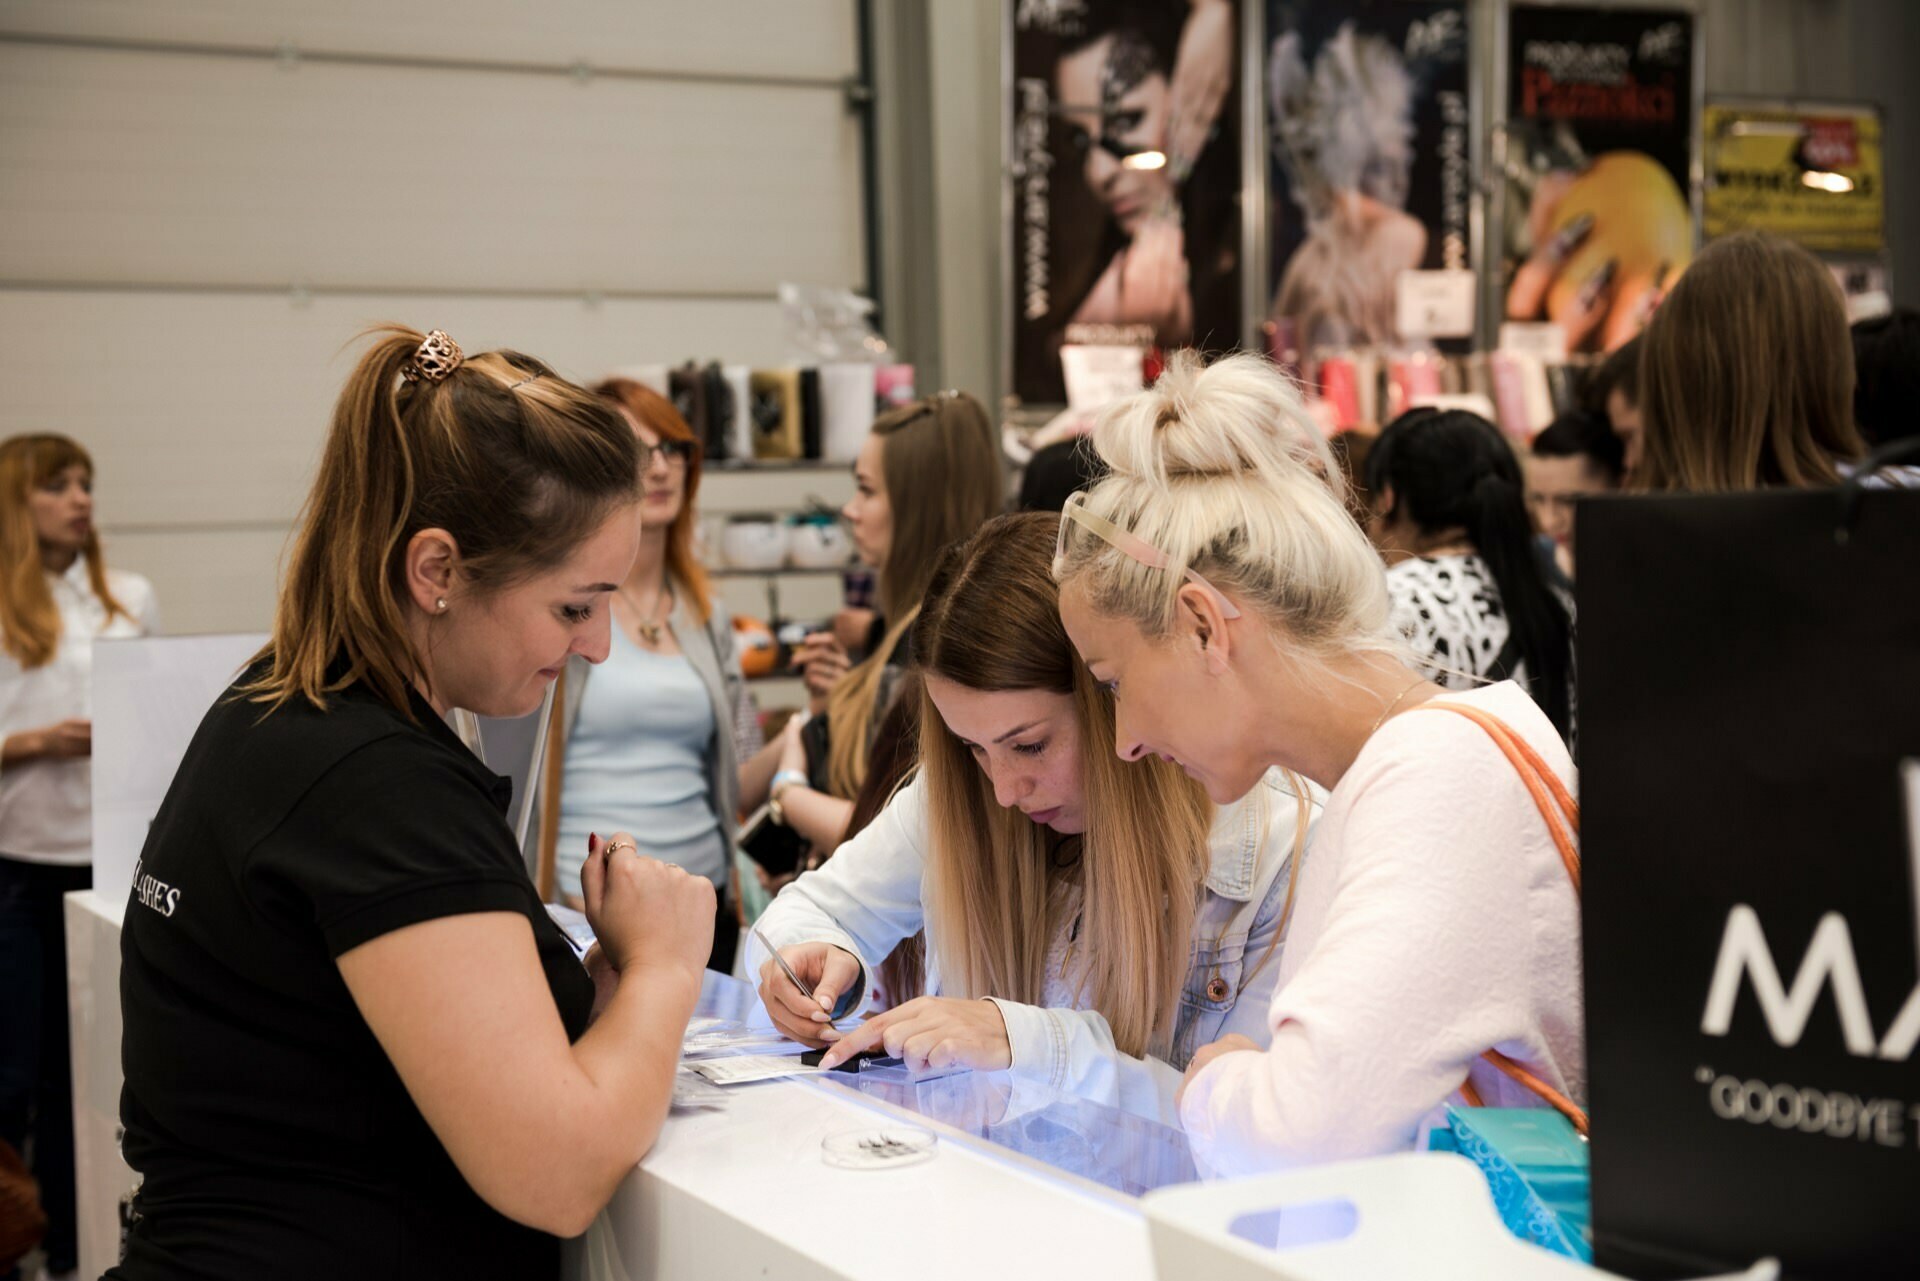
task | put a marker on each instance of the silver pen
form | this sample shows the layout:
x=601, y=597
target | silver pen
x=787, y=970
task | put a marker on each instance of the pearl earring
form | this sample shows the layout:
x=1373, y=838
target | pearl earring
x=442, y=602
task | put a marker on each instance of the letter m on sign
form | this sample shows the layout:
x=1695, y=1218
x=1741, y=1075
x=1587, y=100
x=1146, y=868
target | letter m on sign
x=1829, y=958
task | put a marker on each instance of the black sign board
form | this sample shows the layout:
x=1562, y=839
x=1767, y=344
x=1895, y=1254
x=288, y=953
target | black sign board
x=1749, y=706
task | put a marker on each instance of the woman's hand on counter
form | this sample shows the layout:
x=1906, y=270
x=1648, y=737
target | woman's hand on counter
x=929, y=1034
x=646, y=914
x=827, y=969
x=1234, y=1044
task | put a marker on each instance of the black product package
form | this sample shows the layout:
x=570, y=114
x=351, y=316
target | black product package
x=1749, y=730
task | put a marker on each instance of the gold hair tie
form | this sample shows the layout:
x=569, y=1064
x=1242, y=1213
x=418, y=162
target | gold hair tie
x=437, y=357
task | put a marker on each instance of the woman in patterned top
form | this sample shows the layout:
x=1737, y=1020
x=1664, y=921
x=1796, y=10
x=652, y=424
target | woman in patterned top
x=1449, y=515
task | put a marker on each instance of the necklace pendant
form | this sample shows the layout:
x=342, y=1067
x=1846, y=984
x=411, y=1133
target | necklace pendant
x=650, y=633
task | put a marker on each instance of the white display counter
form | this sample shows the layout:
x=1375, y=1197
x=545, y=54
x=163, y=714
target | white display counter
x=101, y=1178
x=745, y=1193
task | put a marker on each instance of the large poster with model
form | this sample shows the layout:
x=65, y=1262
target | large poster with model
x=1371, y=171
x=1600, y=110
x=1126, y=173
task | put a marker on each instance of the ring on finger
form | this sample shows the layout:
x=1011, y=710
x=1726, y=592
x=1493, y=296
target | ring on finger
x=620, y=845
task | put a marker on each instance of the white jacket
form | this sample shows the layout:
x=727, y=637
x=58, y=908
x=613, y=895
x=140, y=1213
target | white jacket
x=871, y=896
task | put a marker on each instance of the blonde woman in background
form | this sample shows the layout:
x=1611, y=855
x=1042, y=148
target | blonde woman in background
x=928, y=475
x=1241, y=620
x=1114, y=917
x=646, y=741
x=56, y=598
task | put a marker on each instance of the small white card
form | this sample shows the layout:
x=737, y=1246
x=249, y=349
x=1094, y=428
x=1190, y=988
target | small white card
x=1434, y=304
x=1098, y=376
x=1544, y=339
x=750, y=1067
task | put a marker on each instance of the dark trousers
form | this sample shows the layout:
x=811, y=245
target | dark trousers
x=36, y=1082
x=726, y=936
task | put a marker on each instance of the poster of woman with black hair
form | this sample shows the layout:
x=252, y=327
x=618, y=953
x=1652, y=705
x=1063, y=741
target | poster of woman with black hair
x=1126, y=223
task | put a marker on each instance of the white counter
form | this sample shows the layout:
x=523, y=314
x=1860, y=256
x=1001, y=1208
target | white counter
x=101, y=1178
x=744, y=1193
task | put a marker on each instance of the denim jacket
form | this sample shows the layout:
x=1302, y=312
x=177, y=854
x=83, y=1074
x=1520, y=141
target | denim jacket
x=870, y=896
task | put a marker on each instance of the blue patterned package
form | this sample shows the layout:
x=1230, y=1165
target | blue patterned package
x=1536, y=1167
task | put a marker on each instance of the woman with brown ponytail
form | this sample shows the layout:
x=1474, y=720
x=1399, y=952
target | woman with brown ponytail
x=354, y=1043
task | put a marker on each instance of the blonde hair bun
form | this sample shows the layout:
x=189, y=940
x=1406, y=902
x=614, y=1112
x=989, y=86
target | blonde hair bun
x=1240, y=414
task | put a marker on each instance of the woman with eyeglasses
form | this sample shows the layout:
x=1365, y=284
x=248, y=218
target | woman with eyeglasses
x=1089, y=923
x=647, y=741
x=1164, y=254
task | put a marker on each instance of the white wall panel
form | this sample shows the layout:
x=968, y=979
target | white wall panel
x=211, y=407
x=125, y=167
x=809, y=38
x=206, y=580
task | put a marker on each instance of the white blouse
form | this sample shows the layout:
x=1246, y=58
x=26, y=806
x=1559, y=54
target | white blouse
x=46, y=806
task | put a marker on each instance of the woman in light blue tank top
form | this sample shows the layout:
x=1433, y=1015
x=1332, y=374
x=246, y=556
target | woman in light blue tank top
x=649, y=741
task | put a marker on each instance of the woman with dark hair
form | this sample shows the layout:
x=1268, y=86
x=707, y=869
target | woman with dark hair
x=646, y=741
x=1166, y=255
x=1886, y=389
x=1576, y=455
x=1467, y=590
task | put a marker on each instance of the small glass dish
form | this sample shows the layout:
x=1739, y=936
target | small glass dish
x=884, y=1147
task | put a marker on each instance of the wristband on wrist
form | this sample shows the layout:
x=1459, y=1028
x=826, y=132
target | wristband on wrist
x=783, y=780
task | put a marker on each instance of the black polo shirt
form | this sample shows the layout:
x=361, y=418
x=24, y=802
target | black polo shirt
x=275, y=1138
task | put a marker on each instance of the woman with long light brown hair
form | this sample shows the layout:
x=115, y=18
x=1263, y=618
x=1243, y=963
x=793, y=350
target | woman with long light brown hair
x=928, y=476
x=1746, y=374
x=57, y=596
x=1114, y=918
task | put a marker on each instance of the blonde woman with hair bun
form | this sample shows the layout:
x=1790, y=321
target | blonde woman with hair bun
x=1239, y=617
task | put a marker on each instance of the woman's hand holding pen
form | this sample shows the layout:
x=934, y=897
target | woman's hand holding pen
x=829, y=970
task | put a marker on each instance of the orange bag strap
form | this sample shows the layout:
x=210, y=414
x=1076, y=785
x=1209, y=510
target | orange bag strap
x=1554, y=802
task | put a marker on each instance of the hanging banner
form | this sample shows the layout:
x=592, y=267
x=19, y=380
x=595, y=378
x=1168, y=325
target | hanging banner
x=1126, y=180
x=1809, y=172
x=1370, y=172
x=1600, y=129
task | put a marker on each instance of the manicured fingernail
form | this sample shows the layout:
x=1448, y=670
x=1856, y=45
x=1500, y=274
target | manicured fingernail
x=826, y=1001
x=1568, y=238
x=1596, y=285
x=829, y=1034
x=820, y=1016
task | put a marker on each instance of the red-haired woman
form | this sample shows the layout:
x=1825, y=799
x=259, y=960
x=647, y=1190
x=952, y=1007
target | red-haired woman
x=647, y=741
x=56, y=596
